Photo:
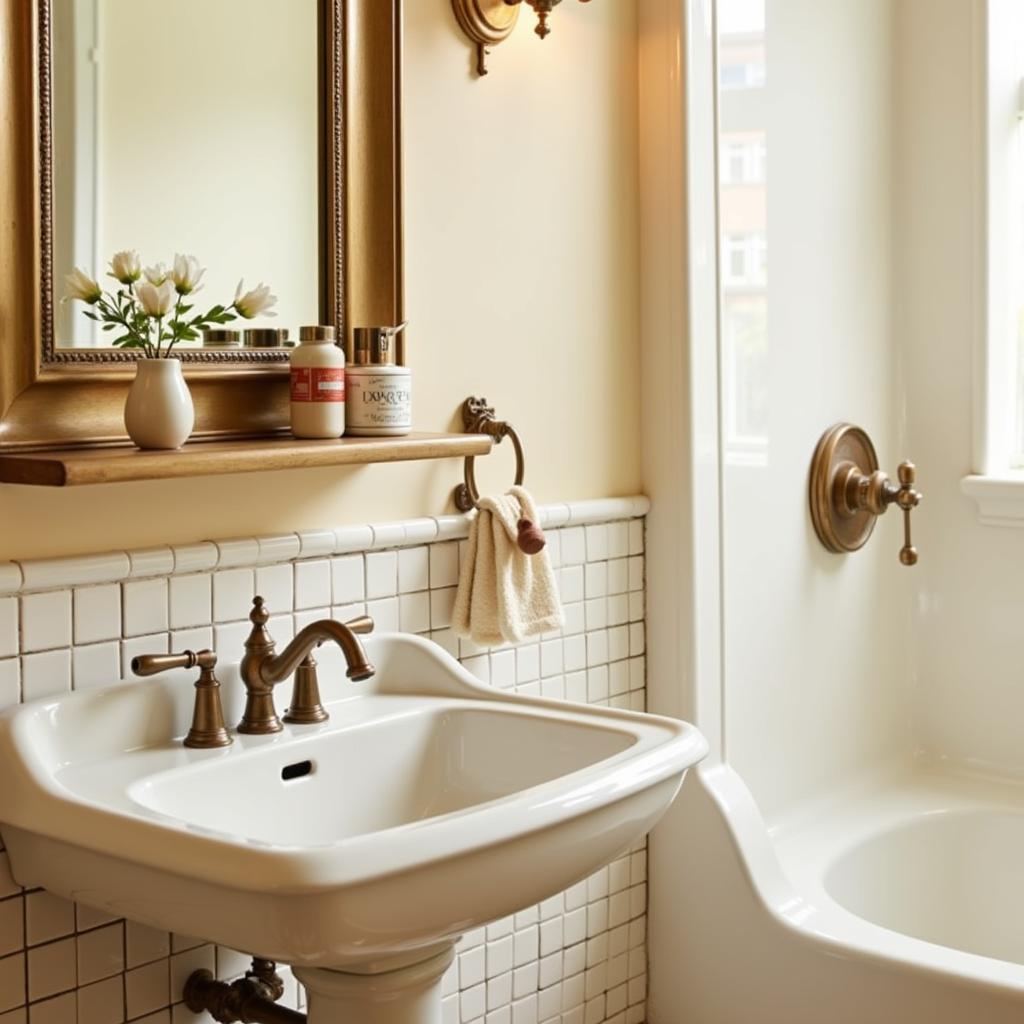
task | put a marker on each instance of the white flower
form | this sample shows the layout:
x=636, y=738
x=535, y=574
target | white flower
x=186, y=274
x=156, y=274
x=156, y=300
x=125, y=266
x=252, y=303
x=81, y=286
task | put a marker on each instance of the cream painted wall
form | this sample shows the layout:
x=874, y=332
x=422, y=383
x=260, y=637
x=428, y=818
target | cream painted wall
x=969, y=606
x=814, y=643
x=522, y=282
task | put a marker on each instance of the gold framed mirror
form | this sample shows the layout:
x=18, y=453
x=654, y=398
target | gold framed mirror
x=56, y=392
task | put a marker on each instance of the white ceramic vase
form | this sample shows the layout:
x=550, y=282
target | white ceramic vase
x=159, y=411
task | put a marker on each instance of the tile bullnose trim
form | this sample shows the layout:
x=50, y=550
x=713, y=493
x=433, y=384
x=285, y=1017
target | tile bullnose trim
x=10, y=578
x=80, y=570
x=19, y=577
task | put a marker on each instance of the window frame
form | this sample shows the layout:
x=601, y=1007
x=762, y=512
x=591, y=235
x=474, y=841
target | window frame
x=996, y=483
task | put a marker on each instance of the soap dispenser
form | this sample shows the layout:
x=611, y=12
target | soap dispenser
x=379, y=391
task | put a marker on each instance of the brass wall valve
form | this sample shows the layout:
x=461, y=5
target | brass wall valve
x=848, y=492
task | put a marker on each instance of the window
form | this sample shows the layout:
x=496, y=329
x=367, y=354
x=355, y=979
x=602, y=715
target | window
x=998, y=455
x=745, y=369
x=741, y=63
x=744, y=261
x=746, y=74
x=743, y=231
x=1003, y=400
x=743, y=161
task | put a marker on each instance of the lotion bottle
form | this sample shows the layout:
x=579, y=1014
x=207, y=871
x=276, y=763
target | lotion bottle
x=318, y=384
x=380, y=398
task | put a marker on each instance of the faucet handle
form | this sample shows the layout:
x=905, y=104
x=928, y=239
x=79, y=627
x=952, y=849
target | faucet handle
x=908, y=499
x=362, y=624
x=151, y=664
x=207, y=729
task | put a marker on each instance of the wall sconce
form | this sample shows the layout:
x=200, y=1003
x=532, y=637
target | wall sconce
x=488, y=22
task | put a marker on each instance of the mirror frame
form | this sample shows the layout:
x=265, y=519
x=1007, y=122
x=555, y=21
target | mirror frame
x=66, y=398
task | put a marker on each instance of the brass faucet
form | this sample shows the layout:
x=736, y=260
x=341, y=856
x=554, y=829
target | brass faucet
x=262, y=669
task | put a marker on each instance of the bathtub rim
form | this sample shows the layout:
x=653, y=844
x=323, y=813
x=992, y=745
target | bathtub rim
x=786, y=865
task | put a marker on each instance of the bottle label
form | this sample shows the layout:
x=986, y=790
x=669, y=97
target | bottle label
x=380, y=401
x=318, y=384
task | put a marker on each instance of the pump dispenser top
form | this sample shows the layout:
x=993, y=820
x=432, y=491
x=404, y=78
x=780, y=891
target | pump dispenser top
x=380, y=392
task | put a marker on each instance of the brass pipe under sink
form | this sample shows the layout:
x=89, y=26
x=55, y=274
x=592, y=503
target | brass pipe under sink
x=251, y=1000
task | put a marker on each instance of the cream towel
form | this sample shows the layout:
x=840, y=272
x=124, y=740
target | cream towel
x=504, y=594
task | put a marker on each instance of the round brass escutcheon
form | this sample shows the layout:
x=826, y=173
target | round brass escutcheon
x=844, y=455
x=486, y=23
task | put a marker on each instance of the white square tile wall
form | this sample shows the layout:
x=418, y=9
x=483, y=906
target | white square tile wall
x=577, y=958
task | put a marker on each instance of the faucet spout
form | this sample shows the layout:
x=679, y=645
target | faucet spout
x=262, y=669
x=282, y=665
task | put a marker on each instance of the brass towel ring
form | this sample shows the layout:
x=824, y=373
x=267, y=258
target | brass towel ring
x=478, y=418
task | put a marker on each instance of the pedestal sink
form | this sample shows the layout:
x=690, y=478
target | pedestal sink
x=357, y=850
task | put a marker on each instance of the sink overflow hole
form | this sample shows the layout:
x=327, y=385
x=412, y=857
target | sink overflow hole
x=297, y=770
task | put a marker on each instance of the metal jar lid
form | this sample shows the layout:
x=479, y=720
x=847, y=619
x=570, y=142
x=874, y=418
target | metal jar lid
x=317, y=332
x=221, y=337
x=266, y=337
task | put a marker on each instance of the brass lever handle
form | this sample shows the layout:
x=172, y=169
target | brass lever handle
x=363, y=624
x=908, y=499
x=151, y=664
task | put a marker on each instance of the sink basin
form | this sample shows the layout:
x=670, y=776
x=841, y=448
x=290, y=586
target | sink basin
x=427, y=805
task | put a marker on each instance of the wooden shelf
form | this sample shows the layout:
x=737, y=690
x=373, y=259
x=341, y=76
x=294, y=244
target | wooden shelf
x=71, y=467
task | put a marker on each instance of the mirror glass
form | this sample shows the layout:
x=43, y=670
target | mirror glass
x=187, y=128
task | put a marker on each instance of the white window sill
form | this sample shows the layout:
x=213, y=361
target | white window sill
x=1000, y=499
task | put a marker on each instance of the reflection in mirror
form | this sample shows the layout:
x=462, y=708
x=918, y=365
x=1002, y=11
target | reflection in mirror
x=743, y=217
x=187, y=127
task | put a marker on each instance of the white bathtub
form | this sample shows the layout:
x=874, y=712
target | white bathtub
x=950, y=877
x=899, y=900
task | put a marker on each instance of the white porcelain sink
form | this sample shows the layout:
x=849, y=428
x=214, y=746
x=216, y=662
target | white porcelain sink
x=428, y=804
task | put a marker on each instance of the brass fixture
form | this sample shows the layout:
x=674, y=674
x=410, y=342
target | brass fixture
x=489, y=22
x=252, y=999
x=207, y=728
x=848, y=492
x=262, y=669
x=478, y=418
x=305, y=707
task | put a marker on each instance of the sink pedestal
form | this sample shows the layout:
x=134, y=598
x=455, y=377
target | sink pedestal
x=408, y=995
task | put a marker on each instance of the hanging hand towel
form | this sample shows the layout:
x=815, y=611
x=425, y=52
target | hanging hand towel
x=504, y=595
